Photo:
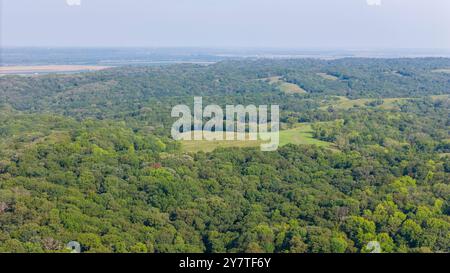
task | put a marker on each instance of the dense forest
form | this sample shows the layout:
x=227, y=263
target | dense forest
x=88, y=157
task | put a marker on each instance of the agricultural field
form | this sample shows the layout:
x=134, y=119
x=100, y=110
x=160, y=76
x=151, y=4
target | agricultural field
x=44, y=69
x=301, y=134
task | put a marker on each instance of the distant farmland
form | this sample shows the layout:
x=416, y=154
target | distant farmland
x=43, y=69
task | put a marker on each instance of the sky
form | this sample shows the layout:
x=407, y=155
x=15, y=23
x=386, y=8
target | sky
x=312, y=24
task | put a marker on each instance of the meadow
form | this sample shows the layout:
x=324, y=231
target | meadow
x=301, y=134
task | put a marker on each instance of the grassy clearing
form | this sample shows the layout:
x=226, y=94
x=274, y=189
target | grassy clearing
x=273, y=80
x=290, y=88
x=300, y=135
x=328, y=76
x=286, y=87
x=440, y=97
x=442, y=70
x=345, y=103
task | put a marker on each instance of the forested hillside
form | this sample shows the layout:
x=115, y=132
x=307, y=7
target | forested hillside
x=88, y=157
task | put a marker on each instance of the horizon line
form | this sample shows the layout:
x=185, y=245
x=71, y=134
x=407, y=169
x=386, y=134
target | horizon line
x=318, y=48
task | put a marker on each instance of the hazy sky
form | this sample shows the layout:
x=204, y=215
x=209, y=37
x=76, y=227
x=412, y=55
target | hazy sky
x=351, y=24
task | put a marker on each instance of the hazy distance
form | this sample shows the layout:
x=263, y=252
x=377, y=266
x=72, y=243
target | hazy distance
x=318, y=24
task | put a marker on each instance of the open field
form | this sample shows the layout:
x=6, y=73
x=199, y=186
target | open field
x=300, y=135
x=48, y=69
x=346, y=103
x=328, y=76
x=290, y=88
x=440, y=97
x=286, y=87
x=443, y=70
x=273, y=80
